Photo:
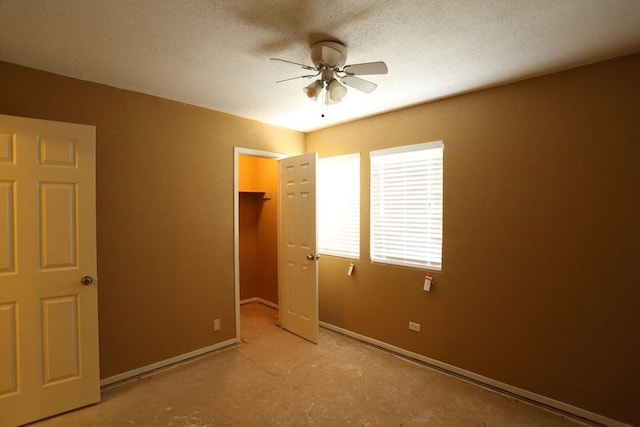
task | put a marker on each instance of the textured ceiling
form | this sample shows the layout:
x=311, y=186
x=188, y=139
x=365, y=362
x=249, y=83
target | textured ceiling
x=215, y=53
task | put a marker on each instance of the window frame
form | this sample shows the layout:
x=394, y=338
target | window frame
x=434, y=243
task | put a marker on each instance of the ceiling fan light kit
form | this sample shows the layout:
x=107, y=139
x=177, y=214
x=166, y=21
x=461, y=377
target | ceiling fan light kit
x=313, y=90
x=328, y=58
x=336, y=91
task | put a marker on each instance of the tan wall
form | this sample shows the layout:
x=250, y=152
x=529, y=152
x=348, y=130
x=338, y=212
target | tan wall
x=258, y=184
x=539, y=287
x=268, y=233
x=542, y=198
x=164, y=210
x=248, y=205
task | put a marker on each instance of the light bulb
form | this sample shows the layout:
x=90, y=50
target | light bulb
x=336, y=90
x=313, y=90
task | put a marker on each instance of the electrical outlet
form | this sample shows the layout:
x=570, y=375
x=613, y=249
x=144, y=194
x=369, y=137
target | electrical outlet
x=216, y=324
x=414, y=326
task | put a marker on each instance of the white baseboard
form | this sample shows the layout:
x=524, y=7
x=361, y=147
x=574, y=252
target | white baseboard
x=268, y=303
x=481, y=380
x=145, y=370
x=259, y=300
x=248, y=300
x=489, y=383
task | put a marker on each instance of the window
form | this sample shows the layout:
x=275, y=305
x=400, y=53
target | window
x=338, y=195
x=406, y=205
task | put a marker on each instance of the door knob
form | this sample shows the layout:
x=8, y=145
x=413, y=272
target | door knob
x=311, y=257
x=86, y=280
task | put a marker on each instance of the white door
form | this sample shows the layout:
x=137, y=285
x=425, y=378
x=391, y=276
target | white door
x=48, y=294
x=297, y=254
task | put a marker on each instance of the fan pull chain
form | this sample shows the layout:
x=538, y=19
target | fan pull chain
x=325, y=102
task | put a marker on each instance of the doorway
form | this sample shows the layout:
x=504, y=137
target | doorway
x=255, y=228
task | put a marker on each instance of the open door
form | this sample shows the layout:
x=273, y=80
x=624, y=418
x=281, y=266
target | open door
x=48, y=295
x=298, y=252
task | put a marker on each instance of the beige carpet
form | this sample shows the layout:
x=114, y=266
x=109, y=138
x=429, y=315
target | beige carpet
x=276, y=378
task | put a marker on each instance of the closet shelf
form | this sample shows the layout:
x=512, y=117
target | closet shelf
x=265, y=195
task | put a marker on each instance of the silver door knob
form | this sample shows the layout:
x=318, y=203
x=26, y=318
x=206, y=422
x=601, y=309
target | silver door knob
x=311, y=257
x=86, y=280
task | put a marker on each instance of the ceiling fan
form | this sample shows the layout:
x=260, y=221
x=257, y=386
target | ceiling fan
x=328, y=59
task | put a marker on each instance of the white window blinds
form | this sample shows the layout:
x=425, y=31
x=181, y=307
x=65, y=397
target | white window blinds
x=338, y=199
x=406, y=205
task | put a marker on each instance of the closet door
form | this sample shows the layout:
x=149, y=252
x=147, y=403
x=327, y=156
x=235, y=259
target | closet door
x=298, y=252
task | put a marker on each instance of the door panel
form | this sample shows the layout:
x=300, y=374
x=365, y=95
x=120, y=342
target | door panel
x=8, y=357
x=7, y=227
x=7, y=143
x=58, y=225
x=306, y=224
x=60, y=338
x=59, y=152
x=48, y=319
x=298, y=276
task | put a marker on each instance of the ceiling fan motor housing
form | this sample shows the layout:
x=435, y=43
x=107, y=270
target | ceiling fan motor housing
x=329, y=54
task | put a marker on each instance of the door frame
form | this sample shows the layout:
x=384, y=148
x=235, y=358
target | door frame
x=237, y=152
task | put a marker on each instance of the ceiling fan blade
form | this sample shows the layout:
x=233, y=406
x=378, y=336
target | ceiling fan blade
x=366, y=68
x=299, y=77
x=360, y=84
x=306, y=67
